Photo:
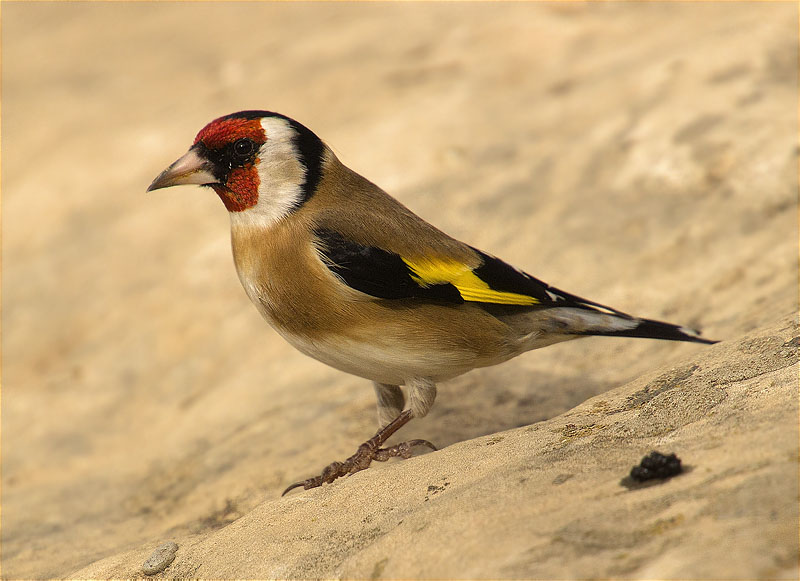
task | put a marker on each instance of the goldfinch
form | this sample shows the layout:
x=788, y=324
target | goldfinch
x=351, y=277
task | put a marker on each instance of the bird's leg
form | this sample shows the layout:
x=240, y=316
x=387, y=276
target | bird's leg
x=391, y=402
x=366, y=453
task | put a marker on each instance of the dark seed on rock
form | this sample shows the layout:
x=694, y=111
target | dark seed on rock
x=656, y=465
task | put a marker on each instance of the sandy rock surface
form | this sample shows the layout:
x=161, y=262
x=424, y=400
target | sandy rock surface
x=545, y=501
x=644, y=156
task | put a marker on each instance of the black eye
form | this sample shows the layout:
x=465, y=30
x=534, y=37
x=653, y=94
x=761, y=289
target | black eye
x=244, y=147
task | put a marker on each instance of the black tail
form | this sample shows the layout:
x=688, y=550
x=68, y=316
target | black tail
x=649, y=329
x=591, y=318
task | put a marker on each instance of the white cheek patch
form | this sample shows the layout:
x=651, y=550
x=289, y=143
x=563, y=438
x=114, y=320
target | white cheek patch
x=281, y=176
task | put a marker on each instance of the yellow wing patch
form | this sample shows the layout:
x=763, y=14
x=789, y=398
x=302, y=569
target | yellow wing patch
x=431, y=272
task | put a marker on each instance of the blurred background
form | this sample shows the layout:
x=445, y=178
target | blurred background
x=641, y=155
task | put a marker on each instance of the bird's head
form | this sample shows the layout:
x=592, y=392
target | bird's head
x=261, y=164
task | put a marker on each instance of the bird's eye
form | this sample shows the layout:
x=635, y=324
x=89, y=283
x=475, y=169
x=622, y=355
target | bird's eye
x=243, y=147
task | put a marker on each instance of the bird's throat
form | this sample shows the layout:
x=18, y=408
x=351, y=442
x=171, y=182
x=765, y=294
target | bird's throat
x=240, y=192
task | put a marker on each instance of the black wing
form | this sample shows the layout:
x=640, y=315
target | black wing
x=496, y=286
x=376, y=272
x=387, y=275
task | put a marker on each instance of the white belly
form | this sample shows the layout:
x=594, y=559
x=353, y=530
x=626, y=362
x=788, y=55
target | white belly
x=376, y=353
x=391, y=365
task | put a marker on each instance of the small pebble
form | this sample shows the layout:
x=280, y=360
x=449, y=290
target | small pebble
x=160, y=559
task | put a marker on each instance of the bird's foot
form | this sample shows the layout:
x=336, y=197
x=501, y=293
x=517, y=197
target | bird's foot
x=366, y=453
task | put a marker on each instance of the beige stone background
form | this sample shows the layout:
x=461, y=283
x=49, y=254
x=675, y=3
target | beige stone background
x=642, y=155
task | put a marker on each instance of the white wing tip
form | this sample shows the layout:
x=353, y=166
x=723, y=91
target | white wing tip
x=689, y=332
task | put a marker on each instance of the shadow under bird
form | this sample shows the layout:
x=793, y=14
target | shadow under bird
x=351, y=277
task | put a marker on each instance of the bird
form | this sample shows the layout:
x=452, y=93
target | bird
x=351, y=277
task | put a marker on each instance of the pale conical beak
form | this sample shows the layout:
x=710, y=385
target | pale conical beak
x=189, y=169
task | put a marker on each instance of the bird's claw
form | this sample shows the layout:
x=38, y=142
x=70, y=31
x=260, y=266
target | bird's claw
x=366, y=453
